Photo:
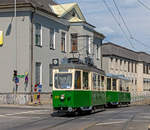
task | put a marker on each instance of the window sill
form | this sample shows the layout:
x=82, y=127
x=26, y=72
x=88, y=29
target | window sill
x=74, y=52
x=39, y=46
x=52, y=49
x=63, y=51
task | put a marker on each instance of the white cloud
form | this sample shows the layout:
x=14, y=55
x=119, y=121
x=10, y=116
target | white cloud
x=106, y=30
x=129, y=2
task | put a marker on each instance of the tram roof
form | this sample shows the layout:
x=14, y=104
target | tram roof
x=79, y=66
x=117, y=76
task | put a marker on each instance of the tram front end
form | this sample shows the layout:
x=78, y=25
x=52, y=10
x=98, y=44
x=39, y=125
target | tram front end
x=63, y=94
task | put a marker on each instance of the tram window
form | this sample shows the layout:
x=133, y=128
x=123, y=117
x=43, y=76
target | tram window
x=63, y=81
x=94, y=81
x=77, y=80
x=120, y=85
x=85, y=80
x=127, y=89
x=102, y=82
x=108, y=84
x=114, y=84
x=98, y=78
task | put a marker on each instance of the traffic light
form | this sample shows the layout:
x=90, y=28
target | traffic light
x=15, y=73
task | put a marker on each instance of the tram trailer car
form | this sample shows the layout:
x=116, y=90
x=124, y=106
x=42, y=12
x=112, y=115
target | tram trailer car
x=117, y=93
x=75, y=88
x=79, y=87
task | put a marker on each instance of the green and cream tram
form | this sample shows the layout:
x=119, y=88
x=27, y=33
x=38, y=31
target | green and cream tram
x=79, y=87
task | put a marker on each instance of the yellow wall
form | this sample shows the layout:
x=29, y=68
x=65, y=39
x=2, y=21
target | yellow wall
x=1, y=37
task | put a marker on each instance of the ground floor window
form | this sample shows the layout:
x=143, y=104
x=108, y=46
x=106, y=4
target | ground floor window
x=38, y=73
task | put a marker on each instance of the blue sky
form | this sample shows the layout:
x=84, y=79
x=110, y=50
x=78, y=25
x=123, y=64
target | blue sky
x=136, y=17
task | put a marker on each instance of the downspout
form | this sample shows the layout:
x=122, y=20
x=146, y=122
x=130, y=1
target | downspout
x=32, y=18
x=101, y=55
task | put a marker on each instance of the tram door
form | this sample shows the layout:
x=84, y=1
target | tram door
x=108, y=83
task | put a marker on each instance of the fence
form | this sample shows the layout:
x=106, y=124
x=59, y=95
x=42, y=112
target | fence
x=140, y=97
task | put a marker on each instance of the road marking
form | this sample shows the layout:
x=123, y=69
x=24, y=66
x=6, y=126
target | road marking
x=109, y=123
x=26, y=112
x=18, y=117
x=118, y=119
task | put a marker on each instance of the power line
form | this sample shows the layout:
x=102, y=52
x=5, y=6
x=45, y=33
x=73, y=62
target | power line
x=122, y=19
x=144, y=5
x=118, y=23
x=131, y=36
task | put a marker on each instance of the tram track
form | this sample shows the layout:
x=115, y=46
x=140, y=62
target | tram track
x=113, y=115
x=125, y=126
x=60, y=123
x=80, y=117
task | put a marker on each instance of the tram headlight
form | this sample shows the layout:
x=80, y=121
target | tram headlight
x=62, y=97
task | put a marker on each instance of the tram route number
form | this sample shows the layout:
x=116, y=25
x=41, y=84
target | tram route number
x=56, y=97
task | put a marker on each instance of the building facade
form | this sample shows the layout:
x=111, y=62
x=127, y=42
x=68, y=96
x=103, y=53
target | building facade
x=31, y=41
x=133, y=65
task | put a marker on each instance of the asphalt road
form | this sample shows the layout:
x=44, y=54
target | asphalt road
x=28, y=118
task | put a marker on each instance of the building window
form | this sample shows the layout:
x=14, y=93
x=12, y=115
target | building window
x=38, y=73
x=143, y=68
x=74, y=43
x=88, y=45
x=63, y=42
x=73, y=14
x=135, y=67
x=146, y=69
x=116, y=60
x=38, y=34
x=98, y=51
x=124, y=65
x=116, y=64
x=52, y=38
x=128, y=66
x=111, y=59
x=120, y=62
x=132, y=67
x=135, y=81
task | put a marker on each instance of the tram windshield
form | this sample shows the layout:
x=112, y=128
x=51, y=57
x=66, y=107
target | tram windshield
x=63, y=80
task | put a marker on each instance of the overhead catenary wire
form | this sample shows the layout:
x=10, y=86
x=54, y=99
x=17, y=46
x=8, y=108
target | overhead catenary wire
x=122, y=19
x=126, y=26
x=143, y=4
x=114, y=17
